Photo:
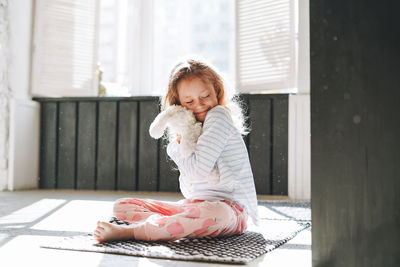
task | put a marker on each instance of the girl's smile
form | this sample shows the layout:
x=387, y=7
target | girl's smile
x=197, y=96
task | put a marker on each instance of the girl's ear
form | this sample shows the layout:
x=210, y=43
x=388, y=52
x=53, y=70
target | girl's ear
x=220, y=97
x=177, y=102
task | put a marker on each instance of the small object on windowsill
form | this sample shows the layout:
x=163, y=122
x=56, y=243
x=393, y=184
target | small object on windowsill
x=101, y=88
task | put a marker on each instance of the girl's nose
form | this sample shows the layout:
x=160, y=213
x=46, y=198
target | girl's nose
x=199, y=105
x=200, y=102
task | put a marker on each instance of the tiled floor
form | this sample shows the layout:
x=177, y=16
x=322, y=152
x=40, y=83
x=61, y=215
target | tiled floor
x=28, y=218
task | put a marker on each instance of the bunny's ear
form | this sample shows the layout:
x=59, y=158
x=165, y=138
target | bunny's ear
x=158, y=126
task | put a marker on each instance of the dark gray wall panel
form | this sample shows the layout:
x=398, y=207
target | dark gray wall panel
x=66, y=145
x=106, y=146
x=48, y=145
x=244, y=102
x=86, y=153
x=355, y=132
x=113, y=149
x=169, y=175
x=127, y=145
x=148, y=148
x=280, y=137
x=259, y=142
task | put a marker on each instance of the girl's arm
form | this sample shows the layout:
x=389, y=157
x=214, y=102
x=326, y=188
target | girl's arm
x=217, y=129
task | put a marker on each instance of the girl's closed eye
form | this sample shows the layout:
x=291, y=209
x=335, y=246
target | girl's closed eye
x=206, y=96
x=189, y=102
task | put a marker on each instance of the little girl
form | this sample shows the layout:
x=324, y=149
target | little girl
x=208, y=209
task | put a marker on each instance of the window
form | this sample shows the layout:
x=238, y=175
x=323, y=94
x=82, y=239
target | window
x=64, y=48
x=136, y=43
x=203, y=27
x=266, y=45
x=136, y=60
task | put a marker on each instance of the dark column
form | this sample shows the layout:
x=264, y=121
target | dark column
x=355, y=128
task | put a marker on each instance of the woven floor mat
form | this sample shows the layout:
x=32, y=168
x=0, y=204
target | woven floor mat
x=240, y=249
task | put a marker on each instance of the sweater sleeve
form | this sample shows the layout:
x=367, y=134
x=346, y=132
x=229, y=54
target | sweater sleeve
x=217, y=129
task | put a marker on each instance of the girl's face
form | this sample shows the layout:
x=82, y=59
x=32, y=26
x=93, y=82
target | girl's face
x=197, y=96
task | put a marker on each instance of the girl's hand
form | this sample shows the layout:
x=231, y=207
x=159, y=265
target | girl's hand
x=178, y=138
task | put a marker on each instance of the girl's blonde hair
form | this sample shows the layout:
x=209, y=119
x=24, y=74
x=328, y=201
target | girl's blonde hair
x=191, y=68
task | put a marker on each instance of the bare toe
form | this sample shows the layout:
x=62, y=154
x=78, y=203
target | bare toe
x=104, y=225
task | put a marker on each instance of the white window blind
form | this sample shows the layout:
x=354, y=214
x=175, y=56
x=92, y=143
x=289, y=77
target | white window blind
x=65, y=48
x=266, y=45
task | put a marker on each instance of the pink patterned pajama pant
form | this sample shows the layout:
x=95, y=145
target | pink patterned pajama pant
x=157, y=220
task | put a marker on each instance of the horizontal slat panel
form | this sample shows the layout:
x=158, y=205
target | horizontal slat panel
x=266, y=43
x=64, y=45
x=259, y=4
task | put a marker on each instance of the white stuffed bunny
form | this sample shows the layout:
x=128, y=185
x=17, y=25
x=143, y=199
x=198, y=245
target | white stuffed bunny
x=181, y=121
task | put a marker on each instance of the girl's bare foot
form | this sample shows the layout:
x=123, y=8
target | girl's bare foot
x=107, y=232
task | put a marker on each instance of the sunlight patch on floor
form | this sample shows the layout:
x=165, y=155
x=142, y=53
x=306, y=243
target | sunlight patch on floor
x=76, y=216
x=288, y=257
x=145, y=262
x=265, y=212
x=25, y=249
x=32, y=212
x=3, y=237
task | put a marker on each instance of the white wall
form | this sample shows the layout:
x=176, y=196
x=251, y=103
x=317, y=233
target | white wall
x=4, y=95
x=24, y=122
x=299, y=172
